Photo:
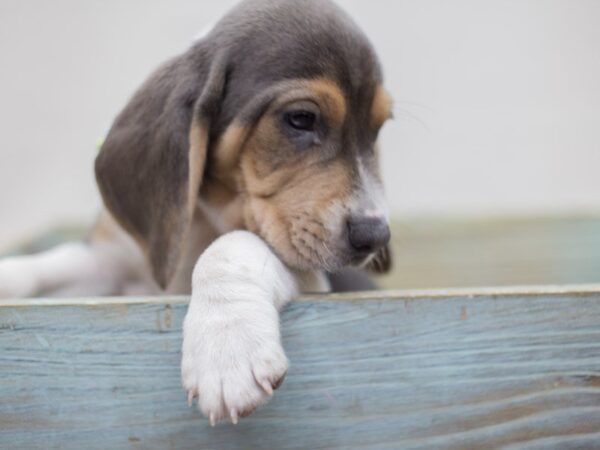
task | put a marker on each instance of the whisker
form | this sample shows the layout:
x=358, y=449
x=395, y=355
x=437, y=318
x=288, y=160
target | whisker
x=328, y=250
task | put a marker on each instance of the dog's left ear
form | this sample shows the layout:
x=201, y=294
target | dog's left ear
x=382, y=262
x=151, y=164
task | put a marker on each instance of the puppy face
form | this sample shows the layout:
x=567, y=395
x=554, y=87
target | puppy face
x=308, y=173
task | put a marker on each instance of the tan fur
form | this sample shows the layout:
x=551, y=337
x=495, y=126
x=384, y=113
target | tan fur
x=381, y=108
x=286, y=196
x=197, y=158
x=227, y=150
x=226, y=201
x=332, y=98
x=281, y=202
x=294, y=220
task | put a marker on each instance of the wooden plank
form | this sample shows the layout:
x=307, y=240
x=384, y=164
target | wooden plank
x=451, y=370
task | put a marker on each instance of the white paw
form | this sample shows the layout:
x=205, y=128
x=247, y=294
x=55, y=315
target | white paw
x=232, y=358
x=16, y=279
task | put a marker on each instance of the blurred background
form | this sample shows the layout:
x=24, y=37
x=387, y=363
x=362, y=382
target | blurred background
x=491, y=165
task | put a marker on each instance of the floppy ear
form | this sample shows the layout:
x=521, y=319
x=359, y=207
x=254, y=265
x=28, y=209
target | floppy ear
x=382, y=262
x=150, y=166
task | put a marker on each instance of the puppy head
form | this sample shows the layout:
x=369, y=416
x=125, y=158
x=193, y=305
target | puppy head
x=302, y=147
x=283, y=102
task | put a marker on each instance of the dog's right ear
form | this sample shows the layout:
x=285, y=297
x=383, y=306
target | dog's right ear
x=150, y=166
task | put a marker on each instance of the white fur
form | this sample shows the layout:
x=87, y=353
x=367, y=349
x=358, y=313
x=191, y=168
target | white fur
x=16, y=281
x=78, y=268
x=232, y=353
x=370, y=199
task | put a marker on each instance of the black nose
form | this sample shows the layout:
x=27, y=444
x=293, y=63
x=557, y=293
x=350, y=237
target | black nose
x=367, y=234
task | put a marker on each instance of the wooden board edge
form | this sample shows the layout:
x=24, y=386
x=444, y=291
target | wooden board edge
x=398, y=294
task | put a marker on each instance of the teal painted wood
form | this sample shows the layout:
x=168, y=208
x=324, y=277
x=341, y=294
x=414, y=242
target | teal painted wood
x=453, y=371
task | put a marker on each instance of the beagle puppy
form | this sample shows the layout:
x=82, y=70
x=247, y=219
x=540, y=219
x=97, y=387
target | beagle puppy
x=246, y=171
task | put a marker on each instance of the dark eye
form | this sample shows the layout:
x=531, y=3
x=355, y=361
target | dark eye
x=301, y=120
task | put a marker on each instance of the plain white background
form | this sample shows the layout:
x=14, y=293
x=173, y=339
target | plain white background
x=497, y=101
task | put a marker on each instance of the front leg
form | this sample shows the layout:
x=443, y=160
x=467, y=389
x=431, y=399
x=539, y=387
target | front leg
x=232, y=357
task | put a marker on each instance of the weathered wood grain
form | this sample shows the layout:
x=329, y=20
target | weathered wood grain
x=452, y=370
